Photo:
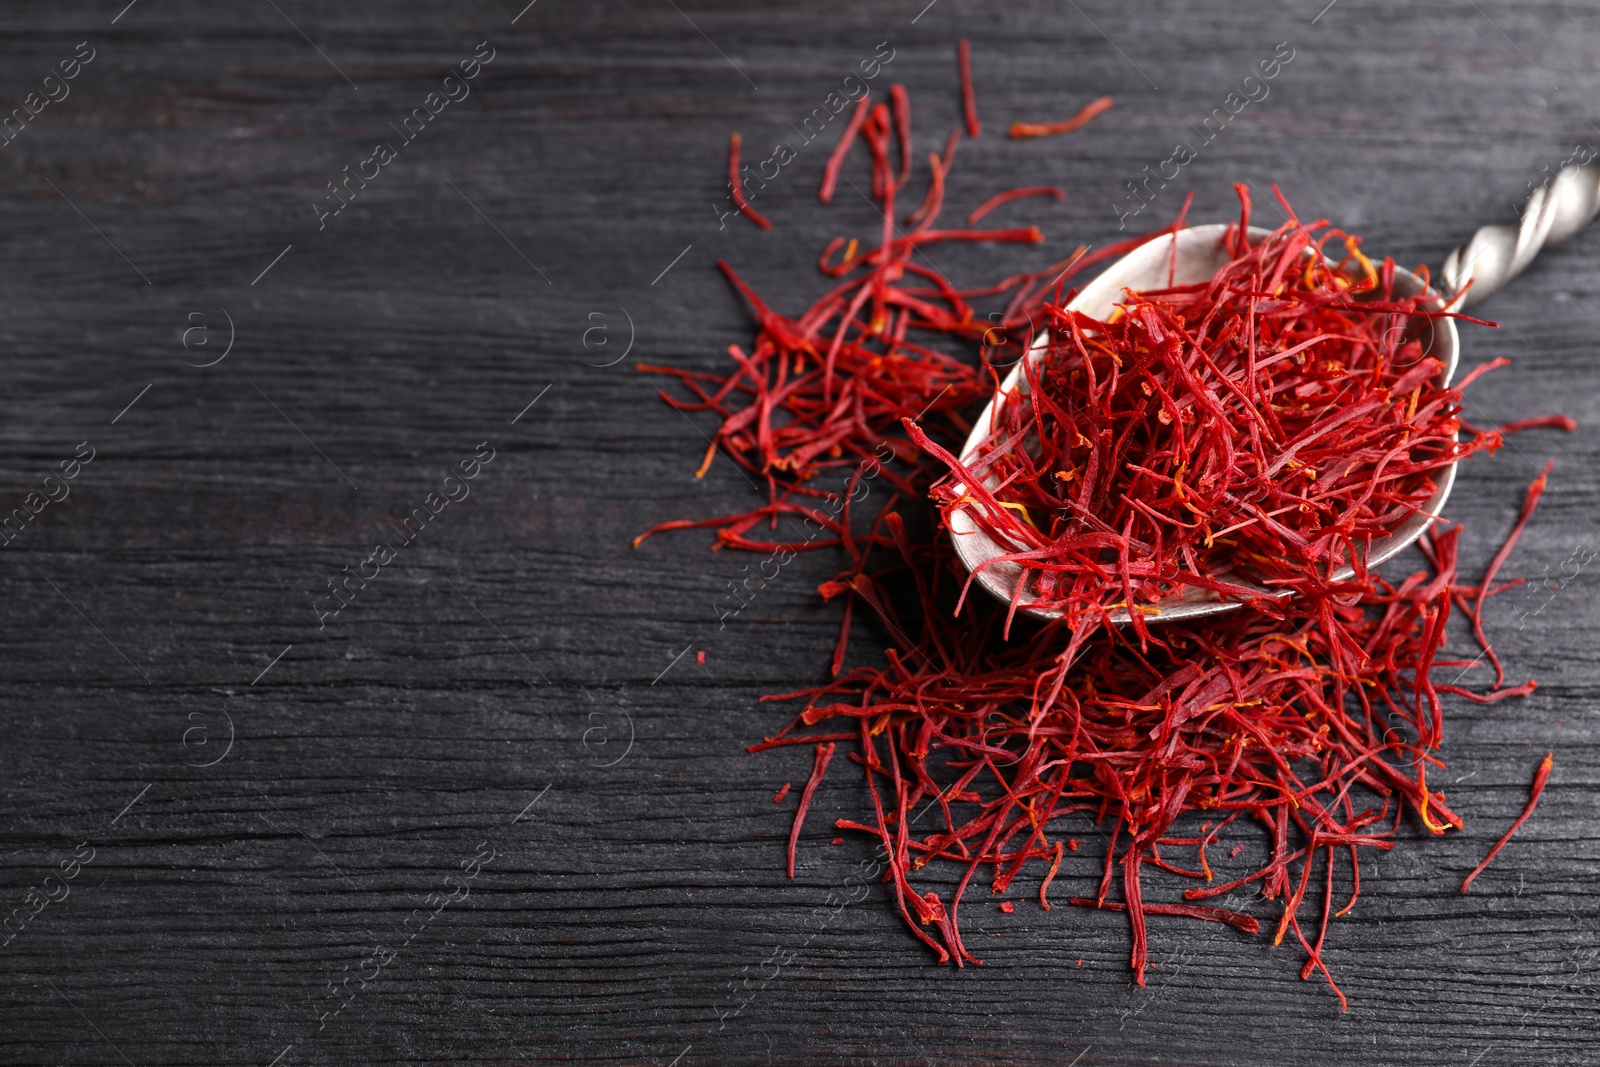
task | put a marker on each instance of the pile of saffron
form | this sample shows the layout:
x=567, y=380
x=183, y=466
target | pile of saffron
x=983, y=738
x=1248, y=436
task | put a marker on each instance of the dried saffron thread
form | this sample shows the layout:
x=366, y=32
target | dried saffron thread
x=1544, y=422
x=969, y=102
x=900, y=105
x=1530, y=501
x=783, y=791
x=1540, y=777
x=1021, y=130
x=1050, y=876
x=1235, y=919
x=830, y=173
x=1013, y=194
x=736, y=186
x=820, y=765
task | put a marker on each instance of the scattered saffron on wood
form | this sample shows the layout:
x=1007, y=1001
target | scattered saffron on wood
x=783, y=791
x=1282, y=714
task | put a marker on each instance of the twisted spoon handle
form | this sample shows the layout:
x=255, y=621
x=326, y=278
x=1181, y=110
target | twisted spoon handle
x=1496, y=254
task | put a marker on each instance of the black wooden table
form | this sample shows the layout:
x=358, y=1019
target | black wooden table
x=495, y=808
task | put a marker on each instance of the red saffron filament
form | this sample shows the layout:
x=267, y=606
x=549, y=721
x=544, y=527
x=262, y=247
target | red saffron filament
x=1529, y=501
x=830, y=173
x=969, y=102
x=783, y=791
x=1540, y=777
x=900, y=105
x=1235, y=919
x=1010, y=195
x=1020, y=130
x=736, y=186
x=824, y=754
x=1544, y=422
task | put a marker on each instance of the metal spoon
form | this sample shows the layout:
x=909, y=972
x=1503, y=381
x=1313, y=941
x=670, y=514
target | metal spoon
x=1493, y=256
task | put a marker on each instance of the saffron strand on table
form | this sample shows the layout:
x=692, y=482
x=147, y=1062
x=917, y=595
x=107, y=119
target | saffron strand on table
x=1540, y=777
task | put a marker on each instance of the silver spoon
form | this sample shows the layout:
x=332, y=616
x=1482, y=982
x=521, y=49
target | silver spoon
x=1493, y=256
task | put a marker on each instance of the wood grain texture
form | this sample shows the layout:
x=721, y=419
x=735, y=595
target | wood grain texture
x=520, y=652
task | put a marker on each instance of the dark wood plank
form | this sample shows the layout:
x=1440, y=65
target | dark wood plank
x=520, y=652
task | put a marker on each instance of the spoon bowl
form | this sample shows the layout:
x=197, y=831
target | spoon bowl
x=1185, y=257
